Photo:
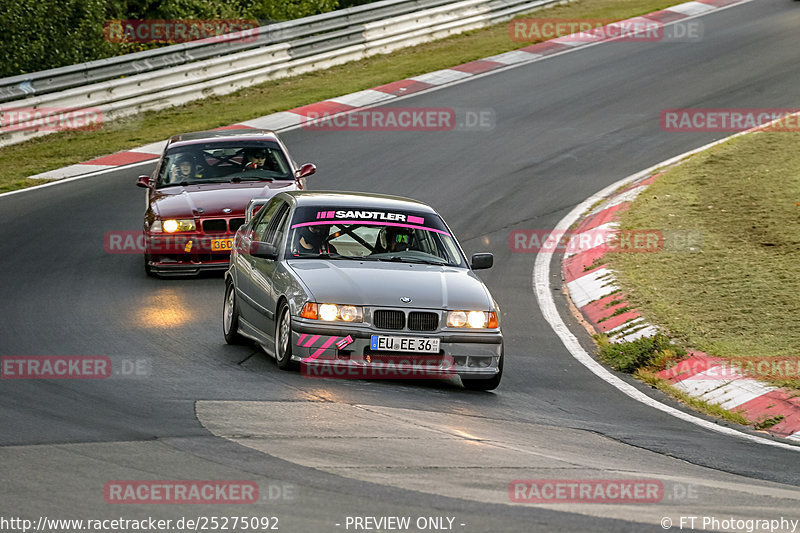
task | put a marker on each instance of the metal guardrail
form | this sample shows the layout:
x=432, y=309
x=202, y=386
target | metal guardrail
x=173, y=75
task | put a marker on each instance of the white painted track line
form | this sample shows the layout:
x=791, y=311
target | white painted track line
x=544, y=296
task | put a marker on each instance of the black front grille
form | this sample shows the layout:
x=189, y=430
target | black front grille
x=386, y=319
x=421, y=321
x=236, y=223
x=215, y=225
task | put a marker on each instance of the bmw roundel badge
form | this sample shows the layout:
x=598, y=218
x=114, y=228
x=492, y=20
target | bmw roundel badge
x=227, y=210
x=405, y=300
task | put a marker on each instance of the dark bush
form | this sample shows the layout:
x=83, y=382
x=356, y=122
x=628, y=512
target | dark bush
x=42, y=35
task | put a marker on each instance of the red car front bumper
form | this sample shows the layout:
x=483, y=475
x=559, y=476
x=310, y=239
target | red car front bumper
x=186, y=253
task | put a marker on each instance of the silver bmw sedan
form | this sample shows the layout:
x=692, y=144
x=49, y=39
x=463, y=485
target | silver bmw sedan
x=361, y=286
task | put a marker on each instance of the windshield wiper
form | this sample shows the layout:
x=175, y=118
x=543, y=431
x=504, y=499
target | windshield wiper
x=398, y=259
x=237, y=179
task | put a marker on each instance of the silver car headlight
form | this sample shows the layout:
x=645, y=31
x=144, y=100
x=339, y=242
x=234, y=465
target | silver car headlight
x=472, y=319
x=332, y=312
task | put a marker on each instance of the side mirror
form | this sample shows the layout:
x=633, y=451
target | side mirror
x=143, y=181
x=481, y=261
x=263, y=250
x=253, y=206
x=305, y=170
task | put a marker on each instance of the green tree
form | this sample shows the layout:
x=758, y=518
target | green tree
x=279, y=10
x=42, y=35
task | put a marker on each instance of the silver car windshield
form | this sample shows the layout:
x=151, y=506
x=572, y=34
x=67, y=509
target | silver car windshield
x=358, y=234
x=217, y=162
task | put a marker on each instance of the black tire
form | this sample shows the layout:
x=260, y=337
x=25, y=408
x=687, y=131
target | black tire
x=230, y=316
x=283, y=337
x=485, y=384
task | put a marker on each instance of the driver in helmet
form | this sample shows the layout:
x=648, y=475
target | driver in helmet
x=313, y=240
x=394, y=239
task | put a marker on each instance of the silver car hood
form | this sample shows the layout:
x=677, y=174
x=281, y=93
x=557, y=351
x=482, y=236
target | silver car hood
x=371, y=283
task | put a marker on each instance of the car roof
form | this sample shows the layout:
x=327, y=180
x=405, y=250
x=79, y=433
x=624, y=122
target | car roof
x=355, y=200
x=243, y=134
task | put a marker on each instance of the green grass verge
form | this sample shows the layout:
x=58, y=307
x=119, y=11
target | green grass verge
x=646, y=356
x=652, y=353
x=54, y=151
x=737, y=295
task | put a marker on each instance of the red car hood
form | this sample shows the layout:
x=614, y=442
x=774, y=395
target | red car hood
x=210, y=199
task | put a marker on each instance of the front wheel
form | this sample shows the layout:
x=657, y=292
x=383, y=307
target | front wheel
x=485, y=384
x=283, y=338
x=230, y=316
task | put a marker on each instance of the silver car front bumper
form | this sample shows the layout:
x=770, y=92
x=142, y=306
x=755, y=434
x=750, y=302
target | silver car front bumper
x=469, y=354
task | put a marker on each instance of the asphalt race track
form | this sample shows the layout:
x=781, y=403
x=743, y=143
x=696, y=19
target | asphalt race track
x=323, y=450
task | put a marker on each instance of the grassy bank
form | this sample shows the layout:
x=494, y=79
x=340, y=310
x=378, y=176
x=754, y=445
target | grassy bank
x=19, y=161
x=647, y=356
x=735, y=296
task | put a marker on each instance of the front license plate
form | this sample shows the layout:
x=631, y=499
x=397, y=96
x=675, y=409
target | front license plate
x=405, y=344
x=221, y=244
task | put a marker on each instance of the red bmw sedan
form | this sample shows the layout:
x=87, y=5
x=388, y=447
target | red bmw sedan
x=197, y=195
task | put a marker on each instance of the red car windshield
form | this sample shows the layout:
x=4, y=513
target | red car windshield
x=219, y=162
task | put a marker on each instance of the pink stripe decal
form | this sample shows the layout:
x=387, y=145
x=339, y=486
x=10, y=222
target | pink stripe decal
x=415, y=220
x=321, y=349
x=300, y=340
x=312, y=340
x=370, y=223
